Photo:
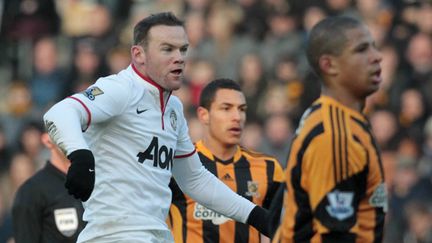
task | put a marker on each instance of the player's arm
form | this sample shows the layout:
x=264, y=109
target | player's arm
x=274, y=185
x=275, y=208
x=202, y=186
x=273, y=200
x=27, y=215
x=67, y=120
x=333, y=196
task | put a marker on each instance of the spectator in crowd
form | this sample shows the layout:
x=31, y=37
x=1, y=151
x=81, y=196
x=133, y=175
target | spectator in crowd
x=385, y=127
x=225, y=48
x=87, y=66
x=404, y=179
x=278, y=132
x=48, y=82
x=195, y=24
x=19, y=111
x=252, y=79
x=30, y=143
x=419, y=217
x=281, y=39
x=198, y=74
x=118, y=58
x=425, y=162
x=413, y=113
x=252, y=135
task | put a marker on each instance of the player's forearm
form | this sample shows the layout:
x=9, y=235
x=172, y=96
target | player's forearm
x=209, y=191
x=63, y=122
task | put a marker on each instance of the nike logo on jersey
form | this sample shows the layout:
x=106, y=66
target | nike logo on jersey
x=91, y=170
x=140, y=111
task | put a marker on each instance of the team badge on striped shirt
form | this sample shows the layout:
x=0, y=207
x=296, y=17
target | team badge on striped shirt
x=252, y=189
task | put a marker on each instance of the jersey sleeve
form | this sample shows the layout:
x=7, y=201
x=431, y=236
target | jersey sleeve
x=27, y=215
x=108, y=97
x=273, y=200
x=66, y=120
x=278, y=181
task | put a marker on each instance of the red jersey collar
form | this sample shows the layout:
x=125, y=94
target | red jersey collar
x=147, y=79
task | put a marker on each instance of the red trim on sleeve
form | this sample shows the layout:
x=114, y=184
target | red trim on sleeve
x=185, y=155
x=87, y=110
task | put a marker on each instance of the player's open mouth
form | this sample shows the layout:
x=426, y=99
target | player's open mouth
x=235, y=130
x=376, y=76
x=177, y=71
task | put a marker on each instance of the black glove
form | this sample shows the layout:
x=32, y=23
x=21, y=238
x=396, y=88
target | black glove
x=80, y=178
x=259, y=218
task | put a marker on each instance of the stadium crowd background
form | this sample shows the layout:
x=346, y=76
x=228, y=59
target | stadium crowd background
x=51, y=49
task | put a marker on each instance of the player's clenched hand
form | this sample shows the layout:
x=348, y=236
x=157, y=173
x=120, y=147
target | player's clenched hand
x=80, y=178
x=259, y=218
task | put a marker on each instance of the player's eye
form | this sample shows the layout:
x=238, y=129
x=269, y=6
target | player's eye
x=362, y=48
x=183, y=50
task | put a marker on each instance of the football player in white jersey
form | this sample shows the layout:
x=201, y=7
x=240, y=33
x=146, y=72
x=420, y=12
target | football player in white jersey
x=126, y=135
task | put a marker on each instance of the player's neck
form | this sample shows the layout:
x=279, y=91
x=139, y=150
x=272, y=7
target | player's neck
x=221, y=151
x=344, y=98
x=59, y=163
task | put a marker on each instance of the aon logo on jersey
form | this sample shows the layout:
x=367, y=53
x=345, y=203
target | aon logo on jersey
x=162, y=156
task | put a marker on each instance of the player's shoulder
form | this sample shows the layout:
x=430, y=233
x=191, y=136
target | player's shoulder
x=256, y=155
x=256, y=158
x=312, y=118
x=117, y=86
x=116, y=81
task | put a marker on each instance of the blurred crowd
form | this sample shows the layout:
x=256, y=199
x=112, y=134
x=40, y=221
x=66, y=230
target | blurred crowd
x=51, y=49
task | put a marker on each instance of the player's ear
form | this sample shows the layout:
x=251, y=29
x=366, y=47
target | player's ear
x=138, y=54
x=46, y=140
x=203, y=115
x=328, y=65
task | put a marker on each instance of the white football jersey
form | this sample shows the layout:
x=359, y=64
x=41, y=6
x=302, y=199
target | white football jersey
x=139, y=138
x=135, y=131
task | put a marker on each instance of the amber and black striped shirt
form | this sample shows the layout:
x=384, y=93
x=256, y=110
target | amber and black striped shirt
x=334, y=176
x=252, y=175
